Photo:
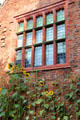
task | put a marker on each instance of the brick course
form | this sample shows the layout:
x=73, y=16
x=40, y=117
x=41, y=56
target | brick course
x=8, y=30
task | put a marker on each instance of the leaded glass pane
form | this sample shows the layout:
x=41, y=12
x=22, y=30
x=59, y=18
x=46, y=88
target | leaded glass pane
x=61, y=31
x=18, y=57
x=49, y=34
x=38, y=36
x=49, y=18
x=61, y=50
x=38, y=56
x=49, y=54
x=29, y=38
x=20, y=41
x=39, y=21
x=30, y=24
x=60, y=15
x=21, y=26
x=28, y=57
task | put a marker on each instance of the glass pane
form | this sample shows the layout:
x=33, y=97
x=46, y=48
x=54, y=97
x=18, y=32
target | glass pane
x=20, y=41
x=49, y=34
x=38, y=56
x=60, y=15
x=30, y=24
x=39, y=21
x=49, y=54
x=61, y=31
x=18, y=57
x=38, y=36
x=28, y=57
x=49, y=18
x=61, y=50
x=21, y=26
x=29, y=38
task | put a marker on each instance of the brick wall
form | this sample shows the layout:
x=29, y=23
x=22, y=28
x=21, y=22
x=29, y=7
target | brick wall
x=8, y=29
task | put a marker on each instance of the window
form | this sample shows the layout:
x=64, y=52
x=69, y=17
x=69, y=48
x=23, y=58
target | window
x=30, y=24
x=21, y=26
x=20, y=41
x=61, y=52
x=49, y=18
x=38, y=36
x=49, y=34
x=42, y=43
x=38, y=56
x=29, y=38
x=60, y=15
x=18, y=57
x=61, y=31
x=49, y=54
x=28, y=57
x=39, y=21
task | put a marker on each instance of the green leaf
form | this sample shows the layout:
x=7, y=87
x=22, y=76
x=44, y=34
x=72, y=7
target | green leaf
x=78, y=114
x=31, y=112
x=4, y=91
x=12, y=112
x=42, y=112
x=2, y=114
x=53, y=117
x=71, y=86
x=45, y=87
x=16, y=105
x=27, y=118
x=28, y=92
x=39, y=101
x=24, y=101
x=46, y=106
x=51, y=108
x=33, y=104
x=76, y=108
x=71, y=116
x=43, y=93
x=15, y=95
x=65, y=118
x=78, y=101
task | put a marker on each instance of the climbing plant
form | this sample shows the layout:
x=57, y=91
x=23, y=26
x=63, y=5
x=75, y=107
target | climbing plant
x=28, y=97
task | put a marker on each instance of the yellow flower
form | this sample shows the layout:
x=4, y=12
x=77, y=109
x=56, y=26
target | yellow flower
x=34, y=113
x=27, y=74
x=28, y=106
x=12, y=115
x=47, y=92
x=58, y=119
x=0, y=89
x=42, y=84
x=16, y=67
x=51, y=92
x=9, y=66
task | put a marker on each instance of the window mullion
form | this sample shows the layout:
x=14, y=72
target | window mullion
x=33, y=41
x=23, y=57
x=55, y=36
x=55, y=53
x=23, y=49
x=25, y=23
x=32, y=56
x=44, y=39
